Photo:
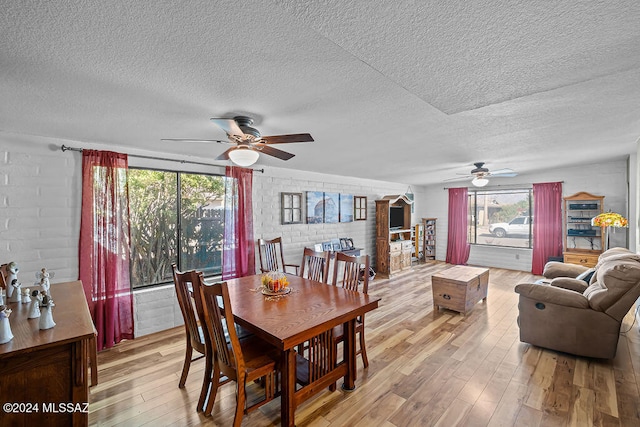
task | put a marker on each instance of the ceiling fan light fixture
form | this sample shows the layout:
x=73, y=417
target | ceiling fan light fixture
x=479, y=181
x=243, y=156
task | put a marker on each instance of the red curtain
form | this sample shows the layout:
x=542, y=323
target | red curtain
x=104, y=245
x=547, y=224
x=457, y=245
x=238, y=251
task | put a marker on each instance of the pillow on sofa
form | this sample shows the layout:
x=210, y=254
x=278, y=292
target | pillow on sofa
x=586, y=276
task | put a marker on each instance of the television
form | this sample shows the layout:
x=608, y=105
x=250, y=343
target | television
x=396, y=217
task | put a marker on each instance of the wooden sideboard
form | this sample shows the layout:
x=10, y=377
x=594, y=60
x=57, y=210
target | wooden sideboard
x=45, y=373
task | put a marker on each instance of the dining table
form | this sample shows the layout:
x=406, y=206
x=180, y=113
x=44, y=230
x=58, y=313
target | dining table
x=303, y=318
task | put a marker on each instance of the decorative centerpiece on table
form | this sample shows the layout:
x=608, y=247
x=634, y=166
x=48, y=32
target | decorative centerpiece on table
x=275, y=283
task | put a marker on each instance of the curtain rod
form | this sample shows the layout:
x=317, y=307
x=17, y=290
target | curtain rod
x=491, y=187
x=79, y=150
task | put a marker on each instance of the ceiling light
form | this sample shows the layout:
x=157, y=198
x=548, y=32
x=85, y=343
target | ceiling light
x=480, y=182
x=243, y=156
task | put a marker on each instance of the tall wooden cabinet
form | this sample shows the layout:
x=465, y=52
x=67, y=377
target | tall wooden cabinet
x=394, y=246
x=583, y=242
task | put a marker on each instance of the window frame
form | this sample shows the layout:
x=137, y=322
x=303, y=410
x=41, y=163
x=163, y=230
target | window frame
x=473, y=223
x=291, y=208
x=359, y=208
x=179, y=220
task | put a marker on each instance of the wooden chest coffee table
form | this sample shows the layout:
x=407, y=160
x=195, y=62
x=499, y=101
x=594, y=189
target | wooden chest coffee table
x=459, y=288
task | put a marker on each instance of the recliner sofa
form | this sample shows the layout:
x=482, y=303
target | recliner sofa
x=570, y=315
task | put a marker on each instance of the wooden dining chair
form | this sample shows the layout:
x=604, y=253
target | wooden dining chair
x=243, y=361
x=190, y=304
x=315, y=265
x=272, y=257
x=349, y=272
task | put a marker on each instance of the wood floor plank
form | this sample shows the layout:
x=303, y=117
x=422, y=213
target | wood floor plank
x=581, y=413
x=541, y=380
x=427, y=367
x=605, y=390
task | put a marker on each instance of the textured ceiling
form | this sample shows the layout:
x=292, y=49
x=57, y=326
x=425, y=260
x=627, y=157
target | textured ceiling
x=405, y=91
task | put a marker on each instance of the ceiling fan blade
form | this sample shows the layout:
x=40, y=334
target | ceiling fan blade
x=195, y=140
x=507, y=173
x=285, y=139
x=228, y=125
x=225, y=155
x=270, y=151
x=458, y=178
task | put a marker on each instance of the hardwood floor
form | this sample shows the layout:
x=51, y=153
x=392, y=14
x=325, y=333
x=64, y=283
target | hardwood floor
x=427, y=368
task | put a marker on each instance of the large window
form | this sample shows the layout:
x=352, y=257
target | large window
x=501, y=218
x=175, y=217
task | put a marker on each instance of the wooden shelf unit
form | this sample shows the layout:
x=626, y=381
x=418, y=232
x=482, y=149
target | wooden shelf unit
x=583, y=242
x=394, y=248
x=429, y=245
x=417, y=239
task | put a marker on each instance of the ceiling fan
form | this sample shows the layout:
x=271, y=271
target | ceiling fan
x=248, y=141
x=480, y=174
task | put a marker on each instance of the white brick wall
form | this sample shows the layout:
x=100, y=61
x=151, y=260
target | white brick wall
x=39, y=214
x=266, y=200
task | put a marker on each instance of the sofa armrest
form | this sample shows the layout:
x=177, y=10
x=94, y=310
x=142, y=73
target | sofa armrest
x=577, y=285
x=552, y=294
x=554, y=269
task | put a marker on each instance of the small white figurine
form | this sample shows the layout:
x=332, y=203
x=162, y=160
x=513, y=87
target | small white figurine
x=26, y=299
x=1, y=296
x=34, y=308
x=12, y=274
x=16, y=294
x=5, y=327
x=44, y=283
x=46, y=313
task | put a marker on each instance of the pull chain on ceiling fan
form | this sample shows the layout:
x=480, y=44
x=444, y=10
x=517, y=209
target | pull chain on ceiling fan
x=248, y=141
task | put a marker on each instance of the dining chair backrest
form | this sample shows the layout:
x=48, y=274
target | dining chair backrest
x=315, y=265
x=349, y=271
x=217, y=315
x=271, y=256
x=190, y=302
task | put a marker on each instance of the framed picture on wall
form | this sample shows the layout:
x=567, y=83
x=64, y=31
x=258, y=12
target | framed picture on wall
x=331, y=207
x=315, y=207
x=346, y=208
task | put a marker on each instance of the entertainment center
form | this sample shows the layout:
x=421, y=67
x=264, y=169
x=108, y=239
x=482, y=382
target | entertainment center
x=394, y=246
